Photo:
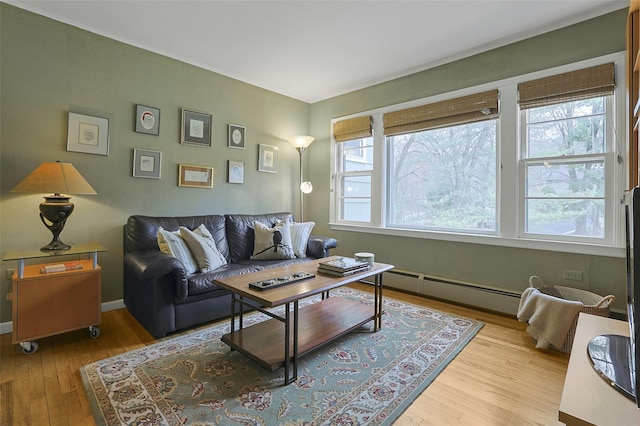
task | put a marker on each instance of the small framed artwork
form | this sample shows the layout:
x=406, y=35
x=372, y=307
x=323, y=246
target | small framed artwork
x=236, y=171
x=147, y=164
x=147, y=120
x=236, y=136
x=268, y=159
x=196, y=128
x=88, y=134
x=195, y=176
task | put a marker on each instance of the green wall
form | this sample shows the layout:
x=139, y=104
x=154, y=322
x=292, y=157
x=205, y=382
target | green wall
x=502, y=267
x=49, y=68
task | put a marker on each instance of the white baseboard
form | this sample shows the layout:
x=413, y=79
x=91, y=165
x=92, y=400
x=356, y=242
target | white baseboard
x=7, y=327
x=494, y=299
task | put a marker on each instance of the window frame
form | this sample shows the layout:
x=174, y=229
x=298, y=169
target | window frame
x=607, y=157
x=510, y=224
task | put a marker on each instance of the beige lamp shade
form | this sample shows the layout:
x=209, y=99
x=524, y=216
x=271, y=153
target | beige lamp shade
x=57, y=178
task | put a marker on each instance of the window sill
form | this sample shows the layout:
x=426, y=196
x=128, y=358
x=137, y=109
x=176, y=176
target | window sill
x=568, y=247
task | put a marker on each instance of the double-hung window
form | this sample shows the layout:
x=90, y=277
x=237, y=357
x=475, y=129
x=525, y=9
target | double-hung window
x=567, y=133
x=354, y=170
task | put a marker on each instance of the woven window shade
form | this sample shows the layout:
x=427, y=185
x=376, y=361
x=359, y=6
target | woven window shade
x=352, y=128
x=570, y=86
x=466, y=109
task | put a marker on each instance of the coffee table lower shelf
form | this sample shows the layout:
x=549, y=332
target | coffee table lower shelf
x=318, y=324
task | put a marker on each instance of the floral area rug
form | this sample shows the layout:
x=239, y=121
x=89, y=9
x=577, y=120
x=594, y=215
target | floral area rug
x=361, y=378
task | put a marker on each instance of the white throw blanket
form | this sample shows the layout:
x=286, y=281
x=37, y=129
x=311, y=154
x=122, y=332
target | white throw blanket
x=550, y=318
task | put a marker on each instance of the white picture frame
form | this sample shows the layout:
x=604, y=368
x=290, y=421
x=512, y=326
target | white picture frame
x=236, y=171
x=268, y=158
x=88, y=134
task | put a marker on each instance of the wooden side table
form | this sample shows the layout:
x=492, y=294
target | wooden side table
x=587, y=399
x=46, y=304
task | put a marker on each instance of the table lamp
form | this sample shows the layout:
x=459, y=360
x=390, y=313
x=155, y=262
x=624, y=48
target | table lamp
x=58, y=179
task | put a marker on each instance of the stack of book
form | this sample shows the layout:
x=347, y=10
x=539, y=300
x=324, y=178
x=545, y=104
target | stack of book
x=342, y=267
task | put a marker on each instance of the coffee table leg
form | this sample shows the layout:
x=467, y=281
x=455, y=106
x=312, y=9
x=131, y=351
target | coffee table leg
x=233, y=312
x=377, y=324
x=287, y=336
x=295, y=341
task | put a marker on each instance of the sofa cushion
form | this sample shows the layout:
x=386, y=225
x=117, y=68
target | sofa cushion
x=240, y=233
x=203, y=248
x=173, y=244
x=272, y=243
x=205, y=282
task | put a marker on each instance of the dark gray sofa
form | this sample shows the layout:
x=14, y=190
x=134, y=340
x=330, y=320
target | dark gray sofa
x=157, y=290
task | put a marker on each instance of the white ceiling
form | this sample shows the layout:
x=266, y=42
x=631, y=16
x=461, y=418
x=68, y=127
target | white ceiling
x=314, y=50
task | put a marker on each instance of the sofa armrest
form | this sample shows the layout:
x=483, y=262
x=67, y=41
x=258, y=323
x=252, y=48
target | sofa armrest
x=152, y=265
x=318, y=246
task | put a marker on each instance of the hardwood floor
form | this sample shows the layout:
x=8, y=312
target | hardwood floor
x=498, y=379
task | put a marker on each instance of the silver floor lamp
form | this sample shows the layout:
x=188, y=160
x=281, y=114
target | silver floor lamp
x=301, y=143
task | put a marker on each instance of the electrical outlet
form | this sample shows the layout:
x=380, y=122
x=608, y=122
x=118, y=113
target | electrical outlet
x=10, y=273
x=572, y=275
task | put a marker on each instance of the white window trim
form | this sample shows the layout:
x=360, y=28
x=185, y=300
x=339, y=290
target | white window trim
x=509, y=175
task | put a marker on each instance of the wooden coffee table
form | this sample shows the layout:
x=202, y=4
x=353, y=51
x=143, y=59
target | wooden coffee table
x=281, y=340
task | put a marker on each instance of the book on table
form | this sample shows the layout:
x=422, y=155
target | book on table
x=321, y=270
x=343, y=266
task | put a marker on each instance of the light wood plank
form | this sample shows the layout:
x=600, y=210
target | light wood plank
x=498, y=379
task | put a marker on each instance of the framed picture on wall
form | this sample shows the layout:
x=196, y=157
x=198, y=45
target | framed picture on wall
x=268, y=159
x=88, y=134
x=147, y=164
x=236, y=136
x=147, y=120
x=195, y=176
x=196, y=128
x=236, y=171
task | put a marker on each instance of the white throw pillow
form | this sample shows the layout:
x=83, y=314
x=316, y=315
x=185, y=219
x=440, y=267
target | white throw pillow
x=300, y=232
x=272, y=243
x=203, y=248
x=173, y=244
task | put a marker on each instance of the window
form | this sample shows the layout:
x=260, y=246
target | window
x=354, y=169
x=442, y=164
x=564, y=167
x=566, y=123
x=444, y=178
x=521, y=162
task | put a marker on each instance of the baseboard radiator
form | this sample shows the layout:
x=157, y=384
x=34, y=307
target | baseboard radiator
x=485, y=297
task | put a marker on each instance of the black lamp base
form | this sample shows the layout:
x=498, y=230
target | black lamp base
x=56, y=245
x=54, y=212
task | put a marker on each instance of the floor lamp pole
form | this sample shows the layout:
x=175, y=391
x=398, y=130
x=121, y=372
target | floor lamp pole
x=301, y=150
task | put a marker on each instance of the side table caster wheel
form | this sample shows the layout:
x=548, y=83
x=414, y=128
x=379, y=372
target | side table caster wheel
x=94, y=331
x=29, y=348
